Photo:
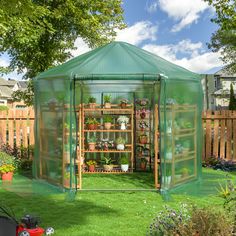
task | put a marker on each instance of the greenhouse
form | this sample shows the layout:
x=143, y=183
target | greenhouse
x=118, y=111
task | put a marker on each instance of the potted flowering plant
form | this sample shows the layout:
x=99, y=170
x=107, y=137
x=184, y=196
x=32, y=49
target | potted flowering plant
x=107, y=101
x=120, y=144
x=92, y=123
x=143, y=139
x=91, y=165
x=143, y=125
x=7, y=166
x=92, y=143
x=107, y=122
x=92, y=102
x=124, y=102
x=123, y=121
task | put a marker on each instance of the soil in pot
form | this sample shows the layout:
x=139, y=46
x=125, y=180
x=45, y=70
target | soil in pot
x=7, y=176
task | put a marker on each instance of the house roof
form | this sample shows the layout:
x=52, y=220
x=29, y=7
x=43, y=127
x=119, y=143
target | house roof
x=225, y=73
x=9, y=83
x=119, y=60
x=5, y=91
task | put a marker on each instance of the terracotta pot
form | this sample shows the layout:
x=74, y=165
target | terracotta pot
x=107, y=125
x=7, y=176
x=108, y=167
x=107, y=105
x=143, y=165
x=91, y=168
x=123, y=105
x=92, y=126
x=143, y=139
x=92, y=146
x=92, y=105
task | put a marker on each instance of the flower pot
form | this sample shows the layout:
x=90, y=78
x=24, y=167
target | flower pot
x=91, y=168
x=107, y=125
x=92, y=105
x=120, y=147
x=143, y=139
x=107, y=105
x=124, y=167
x=143, y=165
x=123, y=126
x=92, y=146
x=92, y=126
x=108, y=167
x=7, y=176
x=123, y=105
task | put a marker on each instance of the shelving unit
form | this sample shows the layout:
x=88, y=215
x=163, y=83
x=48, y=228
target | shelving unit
x=99, y=112
x=175, y=135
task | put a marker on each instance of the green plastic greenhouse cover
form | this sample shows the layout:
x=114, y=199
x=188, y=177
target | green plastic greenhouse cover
x=119, y=60
x=119, y=71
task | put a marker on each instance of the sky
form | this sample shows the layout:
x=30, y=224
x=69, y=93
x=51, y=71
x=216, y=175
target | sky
x=177, y=30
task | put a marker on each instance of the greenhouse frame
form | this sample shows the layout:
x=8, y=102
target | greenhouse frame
x=117, y=109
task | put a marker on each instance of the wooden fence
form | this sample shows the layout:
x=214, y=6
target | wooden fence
x=219, y=134
x=219, y=131
x=17, y=127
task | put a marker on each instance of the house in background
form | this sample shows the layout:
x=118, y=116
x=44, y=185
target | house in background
x=223, y=79
x=7, y=87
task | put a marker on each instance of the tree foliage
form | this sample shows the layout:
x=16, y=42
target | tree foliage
x=39, y=34
x=232, y=99
x=224, y=39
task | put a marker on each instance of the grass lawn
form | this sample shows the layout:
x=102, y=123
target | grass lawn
x=104, y=213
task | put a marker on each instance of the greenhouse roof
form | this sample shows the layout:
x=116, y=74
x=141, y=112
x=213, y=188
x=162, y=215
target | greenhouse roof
x=119, y=60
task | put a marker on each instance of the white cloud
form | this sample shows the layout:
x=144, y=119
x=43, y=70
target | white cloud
x=81, y=47
x=194, y=59
x=185, y=12
x=138, y=33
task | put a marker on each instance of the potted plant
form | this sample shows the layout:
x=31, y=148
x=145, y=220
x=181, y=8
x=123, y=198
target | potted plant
x=7, y=166
x=143, y=125
x=91, y=165
x=92, y=102
x=107, y=122
x=185, y=172
x=143, y=163
x=123, y=121
x=124, y=163
x=144, y=113
x=120, y=144
x=142, y=101
x=124, y=102
x=143, y=139
x=107, y=163
x=92, y=143
x=107, y=101
x=92, y=123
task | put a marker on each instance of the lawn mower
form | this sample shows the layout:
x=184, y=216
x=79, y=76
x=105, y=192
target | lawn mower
x=27, y=226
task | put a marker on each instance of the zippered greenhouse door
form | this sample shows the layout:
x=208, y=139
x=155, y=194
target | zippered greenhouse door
x=156, y=146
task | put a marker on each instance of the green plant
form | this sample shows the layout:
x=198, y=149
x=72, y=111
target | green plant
x=66, y=126
x=107, y=98
x=91, y=163
x=185, y=171
x=106, y=161
x=120, y=140
x=124, y=160
x=92, y=121
x=6, y=168
x=91, y=99
x=4, y=108
x=6, y=158
x=92, y=139
x=124, y=100
x=107, y=119
x=143, y=160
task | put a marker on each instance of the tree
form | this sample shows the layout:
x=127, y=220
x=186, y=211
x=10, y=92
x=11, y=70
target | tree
x=224, y=39
x=232, y=99
x=39, y=34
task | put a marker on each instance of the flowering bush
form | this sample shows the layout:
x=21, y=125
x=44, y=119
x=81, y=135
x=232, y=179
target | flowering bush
x=6, y=168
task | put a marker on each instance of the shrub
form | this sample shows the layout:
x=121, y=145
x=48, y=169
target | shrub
x=6, y=159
